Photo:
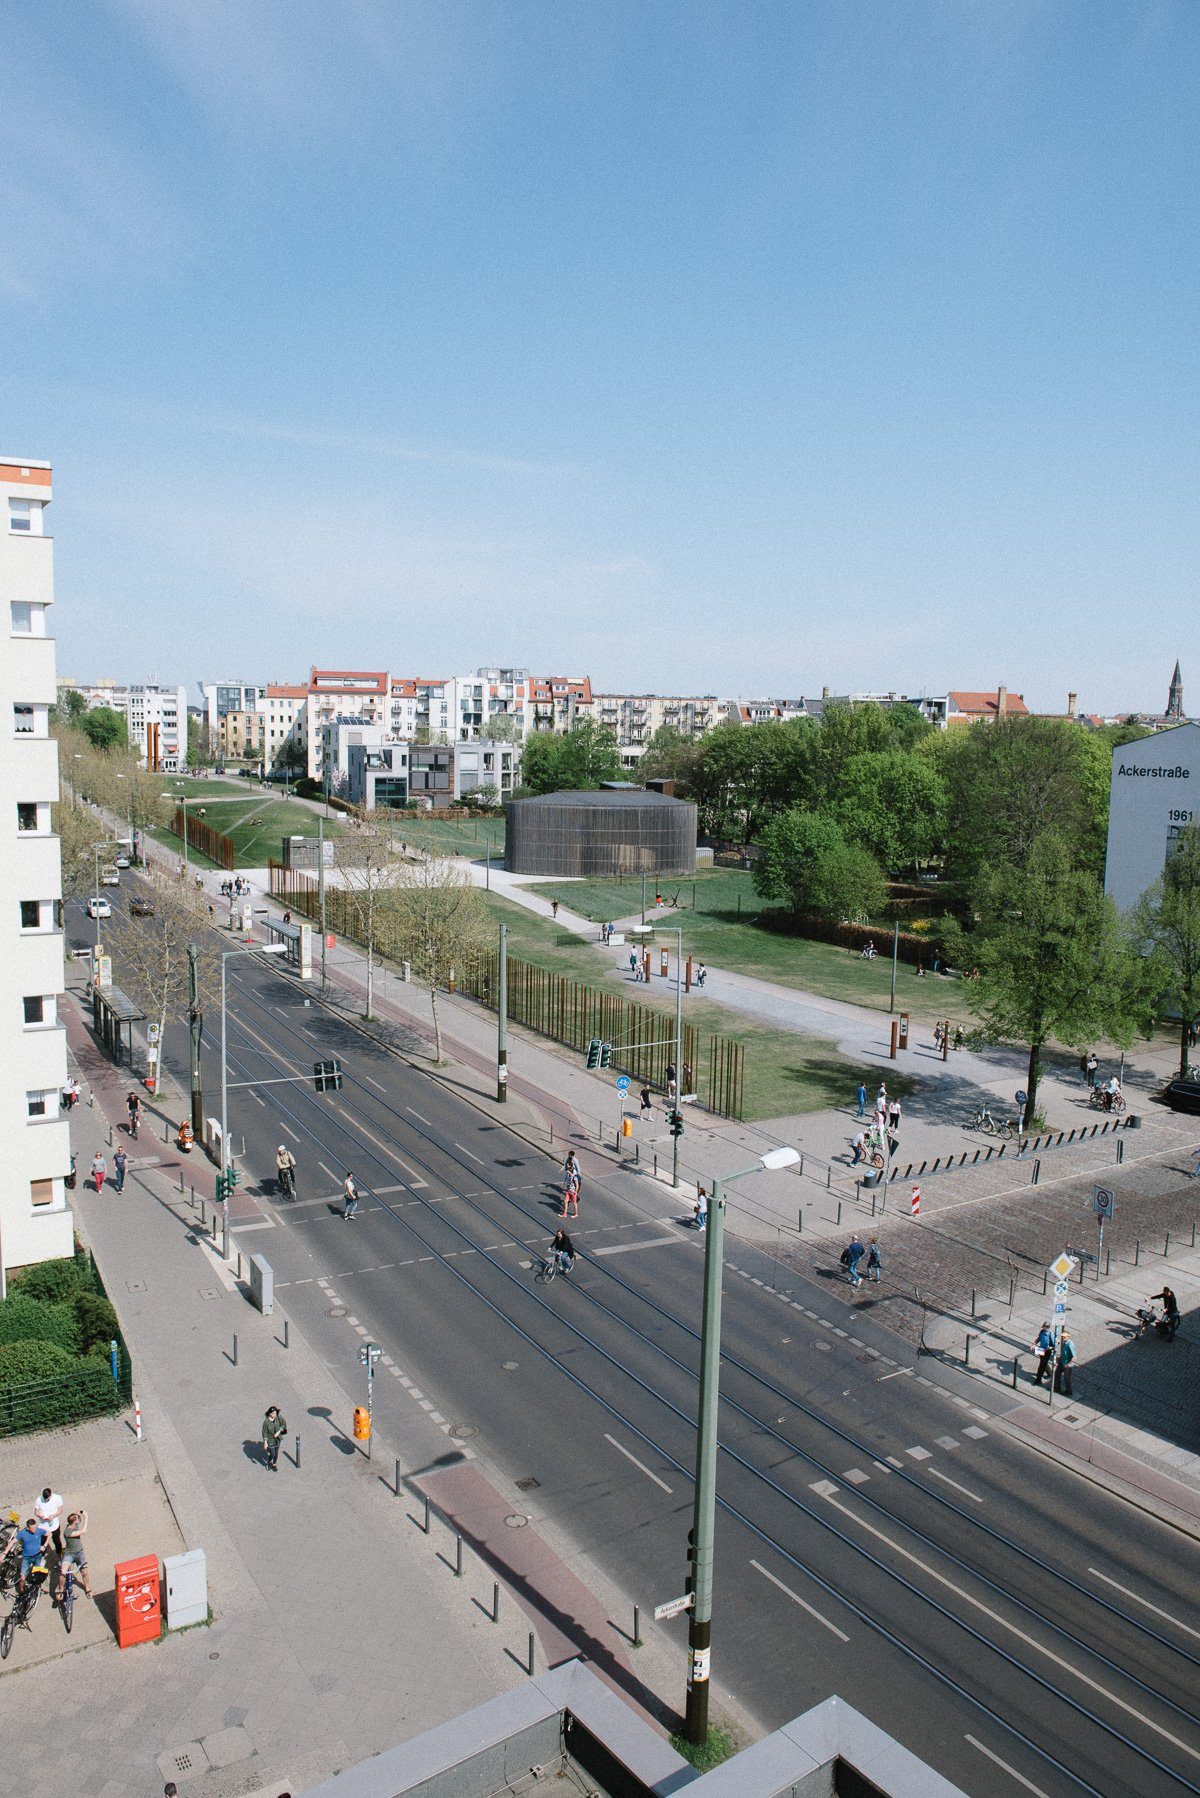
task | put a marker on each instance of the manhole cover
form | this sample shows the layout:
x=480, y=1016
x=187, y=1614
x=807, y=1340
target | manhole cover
x=528, y=1484
x=462, y=1432
x=209, y=1292
x=823, y=1346
x=511, y=1366
x=516, y=1520
x=135, y=1286
x=336, y=1311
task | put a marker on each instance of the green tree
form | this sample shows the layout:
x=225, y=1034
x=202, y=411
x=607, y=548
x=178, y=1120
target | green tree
x=580, y=758
x=847, y=730
x=104, y=728
x=806, y=864
x=1051, y=957
x=1012, y=782
x=1165, y=927
x=745, y=774
x=893, y=804
x=671, y=754
x=199, y=744
x=435, y=920
x=908, y=726
x=70, y=708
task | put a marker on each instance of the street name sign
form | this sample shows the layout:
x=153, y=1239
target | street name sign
x=673, y=1607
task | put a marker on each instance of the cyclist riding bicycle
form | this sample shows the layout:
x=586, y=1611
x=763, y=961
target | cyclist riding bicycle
x=563, y=1250
x=133, y=1105
x=285, y=1168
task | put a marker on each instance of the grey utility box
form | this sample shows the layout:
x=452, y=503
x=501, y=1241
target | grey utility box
x=185, y=1580
x=262, y=1284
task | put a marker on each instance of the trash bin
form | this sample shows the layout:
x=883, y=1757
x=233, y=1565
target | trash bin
x=1133, y=1122
x=872, y=1176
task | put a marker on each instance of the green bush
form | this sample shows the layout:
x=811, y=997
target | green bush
x=23, y=1362
x=24, y=1319
x=52, y=1281
x=96, y=1322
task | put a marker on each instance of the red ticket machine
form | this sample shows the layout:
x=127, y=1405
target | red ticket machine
x=139, y=1605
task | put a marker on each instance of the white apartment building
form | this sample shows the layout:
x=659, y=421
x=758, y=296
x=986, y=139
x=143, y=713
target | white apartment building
x=156, y=718
x=634, y=717
x=35, y=1148
x=287, y=715
x=333, y=691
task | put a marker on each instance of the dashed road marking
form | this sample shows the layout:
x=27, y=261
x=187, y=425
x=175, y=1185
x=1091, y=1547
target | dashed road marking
x=1019, y=1777
x=640, y=1465
x=803, y=1603
x=976, y=1434
x=855, y=1476
x=823, y=1488
x=947, y=1442
x=918, y=1454
x=947, y=1481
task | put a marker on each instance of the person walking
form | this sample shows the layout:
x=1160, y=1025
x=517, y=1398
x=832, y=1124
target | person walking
x=120, y=1165
x=893, y=1116
x=647, y=1102
x=874, y=1261
x=1091, y=1064
x=1044, y=1348
x=274, y=1429
x=859, y=1145
x=701, y=976
x=99, y=1171
x=633, y=964
x=350, y=1197
x=852, y=1254
x=862, y=1100
x=554, y=908
x=701, y=1209
x=1062, y=1373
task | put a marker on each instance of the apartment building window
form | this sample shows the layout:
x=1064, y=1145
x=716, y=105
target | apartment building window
x=38, y=1009
x=24, y=720
x=41, y=1192
x=31, y=816
x=25, y=515
x=41, y=1104
x=27, y=618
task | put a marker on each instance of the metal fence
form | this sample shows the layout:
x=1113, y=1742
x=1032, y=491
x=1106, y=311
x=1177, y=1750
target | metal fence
x=203, y=837
x=90, y=1389
x=568, y=1011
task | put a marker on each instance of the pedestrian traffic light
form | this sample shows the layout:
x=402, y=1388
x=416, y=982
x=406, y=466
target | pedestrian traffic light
x=606, y=1055
x=327, y=1076
x=594, y=1050
x=675, y=1121
x=689, y=1584
x=362, y=1424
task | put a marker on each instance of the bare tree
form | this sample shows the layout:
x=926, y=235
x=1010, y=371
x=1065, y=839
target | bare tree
x=436, y=920
x=80, y=834
x=363, y=856
x=153, y=952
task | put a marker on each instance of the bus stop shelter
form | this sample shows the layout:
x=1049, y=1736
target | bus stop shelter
x=114, y=1015
x=297, y=941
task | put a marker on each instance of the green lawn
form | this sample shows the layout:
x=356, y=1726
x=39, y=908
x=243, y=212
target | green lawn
x=718, y=910
x=451, y=836
x=785, y=1073
x=256, y=821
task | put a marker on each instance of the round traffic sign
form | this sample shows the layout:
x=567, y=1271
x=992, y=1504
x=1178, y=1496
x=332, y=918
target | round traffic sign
x=622, y=1083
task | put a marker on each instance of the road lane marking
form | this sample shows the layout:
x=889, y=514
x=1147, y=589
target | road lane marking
x=947, y=1481
x=1138, y=1599
x=417, y=1115
x=856, y=1476
x=803, y=1603
x=947, y=1442
x=374, y=1083
x=1030, y=1642
x=474, y=1157
x=327, y=1170
x=267, y=1224
x=1019, y=1777
x=288, y=1131
x=899, y=1373
x=628, y=1248
x=258, y=1099
x=919, y=1454
x=640, y=1465
x=823, y=1488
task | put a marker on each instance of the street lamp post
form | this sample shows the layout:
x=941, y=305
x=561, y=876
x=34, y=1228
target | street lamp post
x=226, y=956
x=678, y=1054
x=704, y=1513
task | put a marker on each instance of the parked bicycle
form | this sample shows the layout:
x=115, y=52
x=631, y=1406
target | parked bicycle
x=66, y=1603
x=23, y=1607
x=990, y=1126
x=1102, y=1098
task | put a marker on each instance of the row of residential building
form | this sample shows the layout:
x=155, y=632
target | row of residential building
x=308, y=727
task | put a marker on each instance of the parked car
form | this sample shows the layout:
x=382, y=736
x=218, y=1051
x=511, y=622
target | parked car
x=140, y=908
x=110, y=877
x=98, y=908
x=122, y=861
x=1183, y=1095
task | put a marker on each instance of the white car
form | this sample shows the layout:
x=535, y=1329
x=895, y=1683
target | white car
x=110, y=877
x=98, y=908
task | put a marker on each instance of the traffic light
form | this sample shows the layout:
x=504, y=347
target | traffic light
x=362, y=1424
x=594, y=1051
x=606, y=1055
x=226, y=1182
x=327, y=1076
x=675, y=1120
x=689, y=1584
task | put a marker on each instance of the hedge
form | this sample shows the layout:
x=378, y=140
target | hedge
x=96, y=1322
x=24, y=1361
x=911, y=947
x=54, y=1281
x=24, y=1319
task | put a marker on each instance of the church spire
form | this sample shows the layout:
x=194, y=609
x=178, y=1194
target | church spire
x=1175, y=696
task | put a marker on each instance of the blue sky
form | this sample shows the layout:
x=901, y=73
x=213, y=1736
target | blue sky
x=741, y=348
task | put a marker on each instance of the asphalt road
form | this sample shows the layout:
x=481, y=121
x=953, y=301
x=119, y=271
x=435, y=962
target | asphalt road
x=878, y=1536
